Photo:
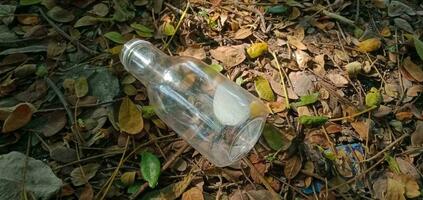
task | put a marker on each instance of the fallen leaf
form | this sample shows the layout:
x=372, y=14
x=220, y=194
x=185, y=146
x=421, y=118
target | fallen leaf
x=294, y=41
x=128, y=178
x=312, y=121
x=354, y=68
x=150, y=168
x=397, y=8
x=130, y=118
x=277, y=106
x=274, y=138
x=193, y=194
x=54, y=122
x=373, y=98
x=406, y=167
x=124, y=10
x=414, y=70
x=419, y=46
x=87, y=193
x=168, y=29
x=293, y=167
x=337, y=79
x=412, y=188
x=417, y=135
x=403, y=116
x=59, y=14
x=362, y=128
x=81, y=86
x=395, y=190
x=22, y=174
x=278, y=9
x=170, y=192
x=302, y=83
x=257, y=49
x=307, y=100
x=115, y=37
x=86, y=21
x=392, y=164
x=229, y=55
x=198, y=53
x=263, y=89
x=369, y=45
x=18, y=118
x=100, y=9
x=81, y=175
x=216, y=67
x=261, y=169
x=63, y=154
x=242, y=33
x=28, y=19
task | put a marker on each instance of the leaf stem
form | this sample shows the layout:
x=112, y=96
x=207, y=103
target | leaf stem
x=282, y=77
x=354, y=115
x=177, y=26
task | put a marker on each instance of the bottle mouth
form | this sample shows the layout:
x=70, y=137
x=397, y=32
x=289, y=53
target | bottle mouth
x=246, y=138
x=128, y=48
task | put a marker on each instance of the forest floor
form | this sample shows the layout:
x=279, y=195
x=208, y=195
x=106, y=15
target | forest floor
x=342, y=81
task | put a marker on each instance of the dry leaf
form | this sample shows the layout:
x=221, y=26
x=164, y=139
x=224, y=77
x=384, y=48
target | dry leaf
x=229, y=55
x=417, y=136
x=193, y=194
x=302, y=83
x=337, y=79
x=261, y=169
x=395, y=190
x=18, y=118
x=414, y=70
x=294, y=41
x=302, y=59
x=128, y=178
x=292, y=167
x=362, y=128
x=198, y=53
x=412, y=189
x=369, y=45
x=87, y=193
x=130, y=119
x=242, y=33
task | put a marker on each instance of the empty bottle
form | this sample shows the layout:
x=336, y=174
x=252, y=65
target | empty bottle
x=220, y=119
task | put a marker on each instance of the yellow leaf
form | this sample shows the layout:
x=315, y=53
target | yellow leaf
x=385, y=32
x=128, y=178
x=263, y=89
x=130, y=119
x=257, y=49
x=412, y=189
x=193, y=194
x=18, y=118
x=395, y=190
x=168, y=29
x=115, y=50
x=369, y=45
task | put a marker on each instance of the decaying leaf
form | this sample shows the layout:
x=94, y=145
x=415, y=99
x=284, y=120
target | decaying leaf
x=292, y=167
x=130, y=118
x=263, y=89
x=395, y=190
x=81, y=175
x=417, y=135
x=198, y=53
x=19, y=117
x=81, y=86
x=170, y=192
x=274, y=138
x=414, y=70
x=292, y=40
x=369, y=45
x=193, y=194
x=354, y=68
x=229, y=55
x=242, y=33
x=128, y=178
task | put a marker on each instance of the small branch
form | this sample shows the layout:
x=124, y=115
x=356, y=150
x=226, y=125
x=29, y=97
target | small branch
x=164, y=167
x=261, y=177
x=79, y=106
x=61, y=98
x=339, y=18
x=387, y=147
x=178, y=25
x=64, y=34
x=354, y=115
x=282, y=77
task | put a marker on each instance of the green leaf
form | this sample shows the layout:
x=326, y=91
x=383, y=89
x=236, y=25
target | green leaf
x=129, y=90
x=86, y=21
x=273, y=137
x=144, y=34
x=142, y=28
x=7, y=13
x=216, y=67
x=59, y=14
x=148, y=112
x=279, y=9
x=115, y=37
x=40, y=181
x=150, y=168
x=392, y=163
x=81, y=87
x=100, y=9
x=373, y=98
x=168, y=29
x=28, y=2
x=307, y=100
x=134, y=188
x=263, y=89
x=312, y=121
x=123, y=10
x=41, y=71
x=419, y=47
x=27, y=49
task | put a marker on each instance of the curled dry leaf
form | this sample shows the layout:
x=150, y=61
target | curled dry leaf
x=302, y=58
x=292, y=167
x=81, y=175
x=19, y=117
x=242, y=33
x=413, y=70
x=294, y=41
x=229, y=55
x=257, y=49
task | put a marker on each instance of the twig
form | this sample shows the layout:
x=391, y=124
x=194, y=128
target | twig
x=164, y=167
x=178, y=25
x=61, y=98
x=262, y=179
x=339, y=18
x=262, y=20
x=354, y=115
x=387, y=147
x=64, y=34
x=79, y=106
x=282, y=77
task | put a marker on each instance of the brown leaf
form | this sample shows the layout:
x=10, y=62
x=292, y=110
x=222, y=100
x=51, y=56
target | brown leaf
x=28, y=19
x=87, y=193
x=415, y=71
x=417, y=136
x=412, y=189
x=55, y=121
x=261, y=169
x=18, y=118
x=229, y=55
x=193, y=194
x=198, y=53
x=332, y=128
x=362, y=128
x=294, y=41
x=130, y=119
x=337, y=79
x=292, y=167
x=402, y=116
x=302, y=83
x=302, y=59
x=242, y=33
x=128, y=178
x=395, y=190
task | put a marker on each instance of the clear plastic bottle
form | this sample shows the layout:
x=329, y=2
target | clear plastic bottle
x=220, y=119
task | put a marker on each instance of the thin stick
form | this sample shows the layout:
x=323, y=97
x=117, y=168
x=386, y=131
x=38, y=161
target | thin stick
x=64, y=34
x=387, y=147
x=262, y=179
x=282, y=77
x=61, y=98
x=164, y=167
x=354, y=115
x=79, y=106
x=177, y=26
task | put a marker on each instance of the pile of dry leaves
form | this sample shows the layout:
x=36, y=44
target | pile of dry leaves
x=342, y=80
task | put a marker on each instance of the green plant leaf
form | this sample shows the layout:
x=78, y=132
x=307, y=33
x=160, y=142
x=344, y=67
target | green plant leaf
x=148, y=112
x=373, y=98
x=392, y=163
x=216, y=67
x=419, y=46
x=168, y=29
x=307, y=100
x=86, y=21
x=123, y=10
x=273, y=137
x=28, y=2
x=115, y=37
x=312, y=121
x=150, y=168
x=142, y=28
x=59, y=14
x=7, y=14
x=81, y=86
x=263, y=89
x=279, y=9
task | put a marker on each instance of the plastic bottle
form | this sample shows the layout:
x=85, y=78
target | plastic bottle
x=220, y=119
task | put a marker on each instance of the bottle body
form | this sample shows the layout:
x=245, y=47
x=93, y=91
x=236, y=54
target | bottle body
x=218, y=118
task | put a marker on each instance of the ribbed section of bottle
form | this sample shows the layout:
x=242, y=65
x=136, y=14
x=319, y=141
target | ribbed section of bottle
x=143, y=60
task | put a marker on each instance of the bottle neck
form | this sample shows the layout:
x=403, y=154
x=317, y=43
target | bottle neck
x=144, y=61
